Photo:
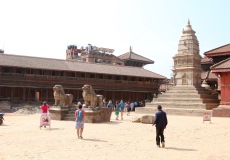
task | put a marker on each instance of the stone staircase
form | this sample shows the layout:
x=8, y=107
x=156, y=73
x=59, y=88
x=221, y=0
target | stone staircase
x=5, y=107
x=183, y=100
x=70, y=115
x=91, y=116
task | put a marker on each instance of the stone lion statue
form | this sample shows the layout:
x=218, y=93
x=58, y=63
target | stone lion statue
x=61, y=99
x=90, y=97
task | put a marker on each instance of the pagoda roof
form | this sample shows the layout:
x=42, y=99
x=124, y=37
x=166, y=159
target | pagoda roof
x=206, y=60
x=220, y=51
x=222, y=66
x=133, y=56
x=208, y=75
x=64, y=65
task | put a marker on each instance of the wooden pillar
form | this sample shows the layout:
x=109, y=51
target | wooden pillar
x=12, y=93
x=105, y=94
x=23, y=94
x=129, y=96
x=47, y=94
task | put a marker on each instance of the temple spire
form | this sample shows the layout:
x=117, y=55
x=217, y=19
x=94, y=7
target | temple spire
x=188, y=22
x=130, y=49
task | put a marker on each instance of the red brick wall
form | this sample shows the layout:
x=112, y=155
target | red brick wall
x=225, y=88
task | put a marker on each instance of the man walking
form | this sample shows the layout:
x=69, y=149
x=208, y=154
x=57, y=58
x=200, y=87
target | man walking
x=161, y=122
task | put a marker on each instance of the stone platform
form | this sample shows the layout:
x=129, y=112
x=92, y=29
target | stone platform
x=92, y=116
x=57, y=113
x=222, y=111
x=183, y=100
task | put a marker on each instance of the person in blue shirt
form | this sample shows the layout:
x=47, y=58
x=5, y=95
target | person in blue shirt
x=110, y=106
x=122, y=107
x=160, y=122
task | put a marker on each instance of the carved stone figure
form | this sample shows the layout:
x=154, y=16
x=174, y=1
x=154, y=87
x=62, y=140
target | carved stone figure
x=90, y=97
x=61, y=99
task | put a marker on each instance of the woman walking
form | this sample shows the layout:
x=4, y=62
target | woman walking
x=117, y=109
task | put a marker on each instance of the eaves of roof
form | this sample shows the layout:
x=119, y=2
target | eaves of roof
x=63, y=65
x=219, y=51
x=134, y=56
x=222, y=66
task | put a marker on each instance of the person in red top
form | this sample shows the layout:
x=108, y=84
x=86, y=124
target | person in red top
x=79, y=115
x=45, y=108
x=45, y=114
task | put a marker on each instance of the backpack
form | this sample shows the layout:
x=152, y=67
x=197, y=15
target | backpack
x=79, y=115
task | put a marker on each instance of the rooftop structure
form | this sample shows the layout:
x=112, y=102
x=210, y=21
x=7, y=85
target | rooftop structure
x=132, y=59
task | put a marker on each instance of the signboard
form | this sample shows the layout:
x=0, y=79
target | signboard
x=207, y=117
x=106, y=50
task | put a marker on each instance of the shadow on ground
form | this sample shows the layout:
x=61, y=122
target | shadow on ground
x=180, y=149
x=95, y=140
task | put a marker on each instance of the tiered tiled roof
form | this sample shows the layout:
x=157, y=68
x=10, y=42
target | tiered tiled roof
x=133, y=56
x=63, y=65
x=223, y=66
x=220, y=51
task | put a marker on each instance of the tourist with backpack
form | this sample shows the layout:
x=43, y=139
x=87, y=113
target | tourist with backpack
x=79, y=115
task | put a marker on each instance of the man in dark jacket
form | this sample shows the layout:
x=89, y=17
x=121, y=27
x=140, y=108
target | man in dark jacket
x=161, y=122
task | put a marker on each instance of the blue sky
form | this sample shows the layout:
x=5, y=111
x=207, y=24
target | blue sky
x=44, y=28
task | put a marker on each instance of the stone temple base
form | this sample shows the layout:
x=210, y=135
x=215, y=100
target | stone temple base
x=97, y=116
x=57, y=113
x=221, y=111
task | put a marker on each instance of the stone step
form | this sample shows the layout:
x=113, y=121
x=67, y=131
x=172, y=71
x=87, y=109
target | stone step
x=6, y=110
x=69, y=119
x=188, y=87
x=187, y=92
x=177, y=105
x=174, y=111
x=188, y=100
x=189, y=95
x=183, y=105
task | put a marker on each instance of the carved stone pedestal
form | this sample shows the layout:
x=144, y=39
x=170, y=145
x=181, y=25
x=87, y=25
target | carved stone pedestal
x=57, y=113
x=221, y=111
x=96, y=116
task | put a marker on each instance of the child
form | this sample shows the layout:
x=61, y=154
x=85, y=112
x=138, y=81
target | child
x=79, y=115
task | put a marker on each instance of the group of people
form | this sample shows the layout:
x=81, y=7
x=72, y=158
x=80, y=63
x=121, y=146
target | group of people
x=119, y=108
x=160, y=120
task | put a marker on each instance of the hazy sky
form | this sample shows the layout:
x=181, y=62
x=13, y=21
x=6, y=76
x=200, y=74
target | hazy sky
x=44, y=28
